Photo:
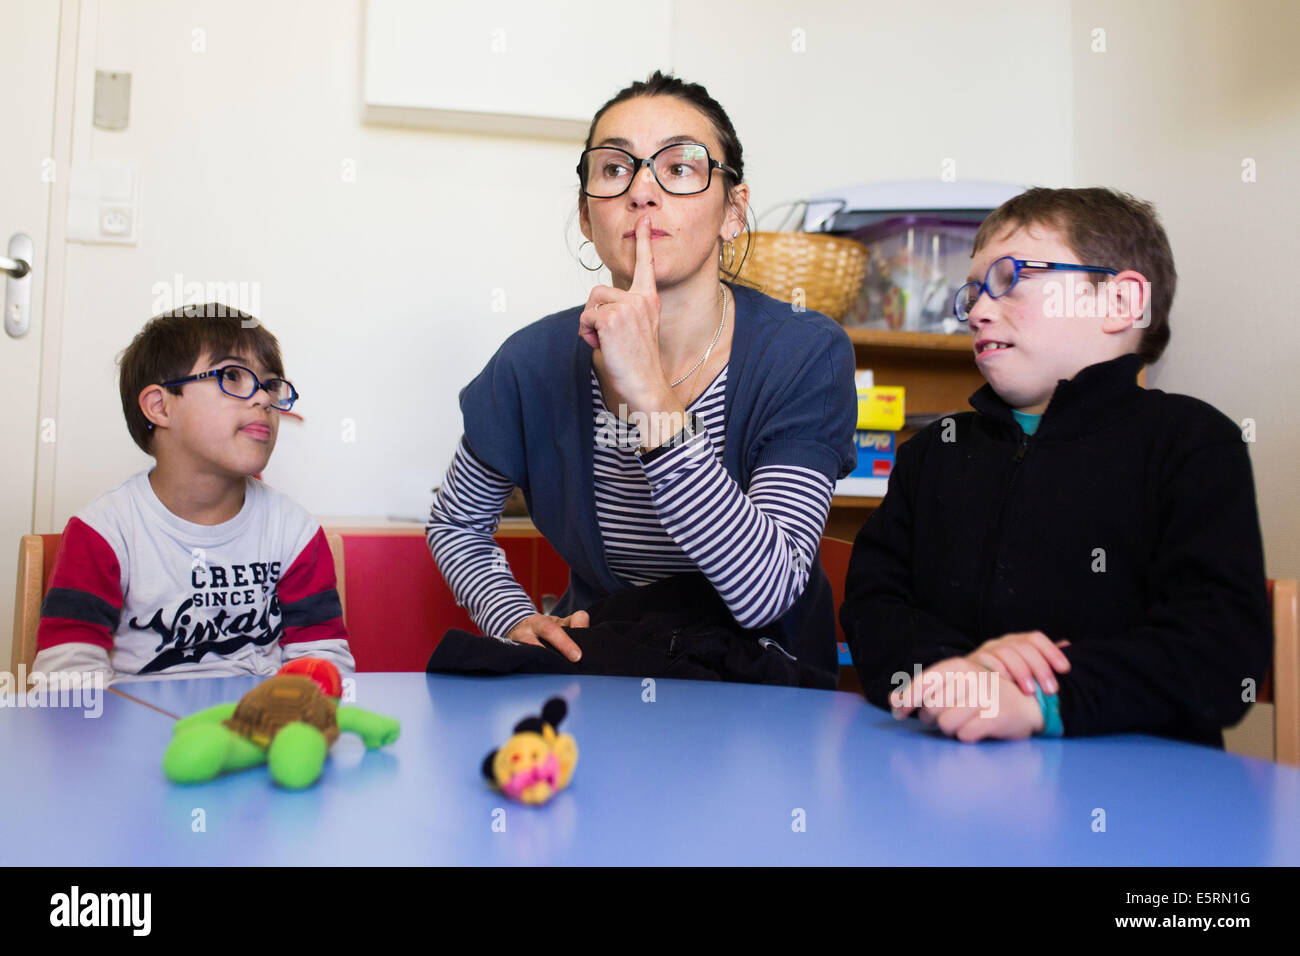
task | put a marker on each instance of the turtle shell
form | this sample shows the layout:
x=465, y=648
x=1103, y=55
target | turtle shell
x=282, y=700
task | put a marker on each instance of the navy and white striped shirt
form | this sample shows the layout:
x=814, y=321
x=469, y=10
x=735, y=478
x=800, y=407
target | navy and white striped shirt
x=678, y=512
x=637, y=547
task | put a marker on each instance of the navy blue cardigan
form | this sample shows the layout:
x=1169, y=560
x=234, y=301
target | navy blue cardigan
x=790, y=401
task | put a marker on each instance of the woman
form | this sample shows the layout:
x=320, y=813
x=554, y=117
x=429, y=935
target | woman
x=673, y=424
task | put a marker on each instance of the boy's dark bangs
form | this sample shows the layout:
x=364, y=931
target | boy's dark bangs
x=231, y=332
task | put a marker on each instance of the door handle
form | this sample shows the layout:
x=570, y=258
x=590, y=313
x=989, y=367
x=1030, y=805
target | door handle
x=17, y=267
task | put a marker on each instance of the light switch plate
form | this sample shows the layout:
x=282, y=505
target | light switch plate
x=104, y=202
x=112, y=99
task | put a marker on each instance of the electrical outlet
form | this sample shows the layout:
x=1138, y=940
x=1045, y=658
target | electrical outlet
x=104, y=202
x=116, y=220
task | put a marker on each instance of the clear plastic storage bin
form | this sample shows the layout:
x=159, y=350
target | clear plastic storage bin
x=916, y=264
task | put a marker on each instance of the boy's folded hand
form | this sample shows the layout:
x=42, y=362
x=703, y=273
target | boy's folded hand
x=1001, y=715
x=1012, y=717
x=1025, y=658
x=913, y=696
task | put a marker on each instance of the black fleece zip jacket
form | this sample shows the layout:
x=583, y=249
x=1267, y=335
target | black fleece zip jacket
x=1126, y=525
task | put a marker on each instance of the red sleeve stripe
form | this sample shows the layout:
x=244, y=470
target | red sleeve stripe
x=311, y=572
x=308, y=595
x=86, y=562
x=331, y=630
x=84, y=600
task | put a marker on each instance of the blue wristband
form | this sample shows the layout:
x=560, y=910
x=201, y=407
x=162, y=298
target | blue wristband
x=1050, y=705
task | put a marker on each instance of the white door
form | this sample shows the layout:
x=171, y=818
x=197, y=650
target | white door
x=29, y=42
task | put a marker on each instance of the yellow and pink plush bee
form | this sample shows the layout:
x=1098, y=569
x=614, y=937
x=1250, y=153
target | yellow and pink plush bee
x=537, y=761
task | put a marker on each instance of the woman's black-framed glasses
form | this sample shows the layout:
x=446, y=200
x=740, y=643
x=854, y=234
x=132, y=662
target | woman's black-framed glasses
x=681, y=169
x=1002, y=276
x=239, y=382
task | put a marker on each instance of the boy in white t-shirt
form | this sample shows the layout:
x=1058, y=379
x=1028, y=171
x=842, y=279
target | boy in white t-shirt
x=195, y=568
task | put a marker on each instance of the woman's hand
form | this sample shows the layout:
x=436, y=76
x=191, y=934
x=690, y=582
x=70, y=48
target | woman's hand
x=537, y=628
x=624, y=328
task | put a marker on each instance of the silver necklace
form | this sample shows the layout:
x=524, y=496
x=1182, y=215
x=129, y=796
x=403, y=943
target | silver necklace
x=709, y=351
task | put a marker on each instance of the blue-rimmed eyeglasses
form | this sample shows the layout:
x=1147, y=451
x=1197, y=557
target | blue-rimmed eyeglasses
x=239, y=382
x=1002, y=276
x=682, y=169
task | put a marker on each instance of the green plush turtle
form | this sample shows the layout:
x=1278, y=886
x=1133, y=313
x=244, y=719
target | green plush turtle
x=287, y=722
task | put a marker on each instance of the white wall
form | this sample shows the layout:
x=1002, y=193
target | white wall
x=885, y=90
x=1185, y=92
x=380, y=290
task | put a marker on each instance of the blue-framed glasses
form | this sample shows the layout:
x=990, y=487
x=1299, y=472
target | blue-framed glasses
x=1002, y=276
x=682, y=169
x=239, y=382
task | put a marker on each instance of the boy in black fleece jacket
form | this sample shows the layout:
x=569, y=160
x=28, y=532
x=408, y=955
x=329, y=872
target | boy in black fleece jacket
x=1087, y=547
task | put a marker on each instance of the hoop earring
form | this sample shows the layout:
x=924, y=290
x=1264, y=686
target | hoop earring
x=598, y=266
x=727, y=247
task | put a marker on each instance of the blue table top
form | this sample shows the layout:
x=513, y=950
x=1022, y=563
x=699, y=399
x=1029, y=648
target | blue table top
x=708, y=773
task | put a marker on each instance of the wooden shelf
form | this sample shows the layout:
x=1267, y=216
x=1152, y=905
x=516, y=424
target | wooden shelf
x=928, y=341
x=938, y=371
x=939, y=374
x=853, y=501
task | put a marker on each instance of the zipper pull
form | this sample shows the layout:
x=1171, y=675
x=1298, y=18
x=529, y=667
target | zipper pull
x=1024, y=446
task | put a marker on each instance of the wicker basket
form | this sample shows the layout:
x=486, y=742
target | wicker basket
x=829, y=270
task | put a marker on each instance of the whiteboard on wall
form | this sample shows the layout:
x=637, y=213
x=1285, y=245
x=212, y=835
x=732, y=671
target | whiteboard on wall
x=509, y=66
